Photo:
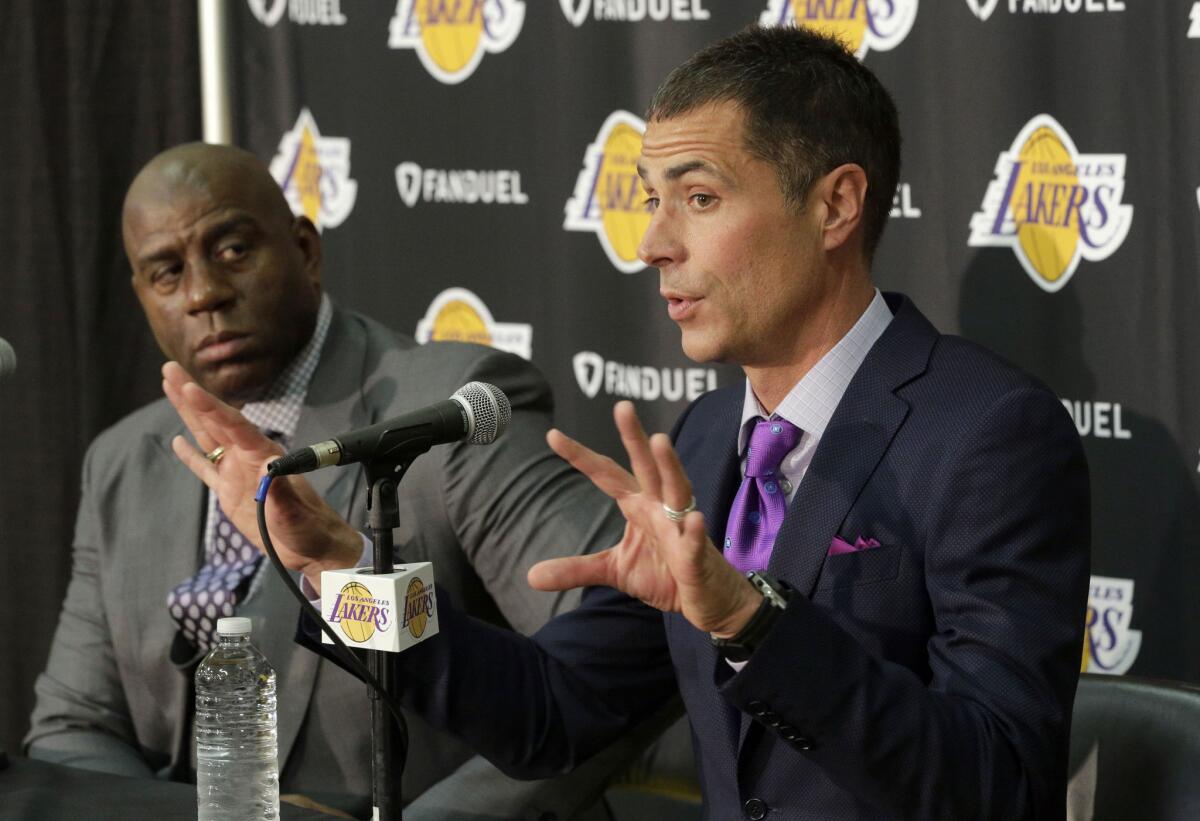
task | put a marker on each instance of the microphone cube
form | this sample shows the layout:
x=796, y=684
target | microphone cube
x=389, y=612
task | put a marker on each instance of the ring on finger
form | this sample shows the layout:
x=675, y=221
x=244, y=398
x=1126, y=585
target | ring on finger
x=216, y=454
x=678, y=515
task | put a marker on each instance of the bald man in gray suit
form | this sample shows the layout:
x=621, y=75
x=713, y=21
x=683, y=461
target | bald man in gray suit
x=230, y=283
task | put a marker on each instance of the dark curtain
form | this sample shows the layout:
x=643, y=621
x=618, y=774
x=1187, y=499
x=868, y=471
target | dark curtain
x=91, y=90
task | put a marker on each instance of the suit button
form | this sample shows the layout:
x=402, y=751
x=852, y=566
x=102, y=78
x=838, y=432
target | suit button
x=755, y=809
x=800, y=742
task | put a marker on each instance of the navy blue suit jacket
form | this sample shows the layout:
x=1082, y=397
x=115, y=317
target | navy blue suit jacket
x=929, y=677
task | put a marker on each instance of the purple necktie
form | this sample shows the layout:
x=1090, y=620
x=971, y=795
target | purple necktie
x=213, y=593
x=760, y=503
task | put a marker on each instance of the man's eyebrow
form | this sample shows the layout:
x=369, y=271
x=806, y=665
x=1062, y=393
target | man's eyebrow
x=676, y=171
x=211, y=234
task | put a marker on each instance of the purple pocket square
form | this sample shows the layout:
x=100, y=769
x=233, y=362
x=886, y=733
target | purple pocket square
x=839, y=545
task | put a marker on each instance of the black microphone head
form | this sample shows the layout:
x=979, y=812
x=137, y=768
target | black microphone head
x=8, y=359
x=488, y=411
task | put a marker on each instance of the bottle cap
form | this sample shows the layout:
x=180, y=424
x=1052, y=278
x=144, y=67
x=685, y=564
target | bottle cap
x=233, y=626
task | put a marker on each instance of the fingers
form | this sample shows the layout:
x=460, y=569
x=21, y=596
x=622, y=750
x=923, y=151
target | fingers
x=194, y=460
x=607, y=475
x=224, y=424
x=572, y=571
x=676, y=488
x=174, y=378
x=633, y=437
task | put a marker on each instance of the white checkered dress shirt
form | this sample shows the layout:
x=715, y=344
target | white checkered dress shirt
x=811, y=403
x=278, y=411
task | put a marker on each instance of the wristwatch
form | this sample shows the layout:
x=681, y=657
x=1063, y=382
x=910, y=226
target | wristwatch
x=776, y=594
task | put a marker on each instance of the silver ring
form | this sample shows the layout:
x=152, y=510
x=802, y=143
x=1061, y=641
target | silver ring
x=677, y=515
x=216, y=454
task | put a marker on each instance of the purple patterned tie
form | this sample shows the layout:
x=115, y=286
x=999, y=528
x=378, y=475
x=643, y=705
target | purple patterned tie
x=760, y=503
x=197, y=602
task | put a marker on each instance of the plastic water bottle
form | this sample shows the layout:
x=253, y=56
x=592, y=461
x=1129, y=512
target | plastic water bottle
x=237, y=755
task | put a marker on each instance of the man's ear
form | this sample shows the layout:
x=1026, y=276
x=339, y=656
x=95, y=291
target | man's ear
x=308, y=241
x=843, y=192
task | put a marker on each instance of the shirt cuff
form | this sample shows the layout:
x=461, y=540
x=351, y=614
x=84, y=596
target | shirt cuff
x=364, y=559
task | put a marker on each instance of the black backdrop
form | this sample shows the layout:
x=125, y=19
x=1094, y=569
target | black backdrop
x=468, y=187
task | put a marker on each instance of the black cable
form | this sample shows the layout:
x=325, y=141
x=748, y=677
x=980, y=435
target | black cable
x=340, y=649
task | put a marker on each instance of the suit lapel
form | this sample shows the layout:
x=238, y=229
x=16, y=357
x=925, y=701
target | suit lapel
x=332, y=406
x=855, y=441
x=174, y=532
x=863, y=426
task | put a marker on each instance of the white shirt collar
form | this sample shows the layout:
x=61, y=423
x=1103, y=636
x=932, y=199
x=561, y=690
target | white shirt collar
x=810, y=404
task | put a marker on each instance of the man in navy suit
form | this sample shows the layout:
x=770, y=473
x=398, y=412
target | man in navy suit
x=873, y=603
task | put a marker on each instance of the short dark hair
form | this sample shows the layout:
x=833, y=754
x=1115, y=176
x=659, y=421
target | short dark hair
x=810, y=106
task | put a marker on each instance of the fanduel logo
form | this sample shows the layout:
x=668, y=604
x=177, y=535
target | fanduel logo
x=594, y=374
x=417, y=184
x=300, y=12
x=983, y=8
x=1100, y=420
x=633, y=11
x=902, y=204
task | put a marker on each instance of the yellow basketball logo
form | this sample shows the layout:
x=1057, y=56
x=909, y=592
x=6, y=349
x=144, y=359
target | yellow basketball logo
x=457, y=321
x=609, y=199
x=1047, y=227
x=458, y=315
x=314, y=173
x=1053, y=205
x=307, y=177
x=862, y=25
x=451, y=36
x=358, y=613
x=418, y=607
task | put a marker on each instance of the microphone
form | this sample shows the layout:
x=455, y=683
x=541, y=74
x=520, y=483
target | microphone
x=8, y=358
x=477, y=412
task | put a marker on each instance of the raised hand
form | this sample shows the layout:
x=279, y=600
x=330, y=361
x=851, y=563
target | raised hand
x=308, y=535
x=672, y=566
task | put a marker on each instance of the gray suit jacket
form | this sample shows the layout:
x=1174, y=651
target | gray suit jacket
x=110, y=698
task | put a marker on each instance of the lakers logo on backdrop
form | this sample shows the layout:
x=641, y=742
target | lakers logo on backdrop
x=608, y=198
x=1052, y=205
x=358, y=613
x=457, y=315
x=863, y=25
x=451, y=36
x=1110, y=645
x=314, y=173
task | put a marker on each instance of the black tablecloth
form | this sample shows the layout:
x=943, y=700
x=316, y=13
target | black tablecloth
x=40, y=791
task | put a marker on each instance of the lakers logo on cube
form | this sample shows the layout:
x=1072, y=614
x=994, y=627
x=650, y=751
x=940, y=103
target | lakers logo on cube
x=364, y=606
x=451, y=36
x=863, y=25
x=608, y=199
x=1053, y=205
x=359, y=613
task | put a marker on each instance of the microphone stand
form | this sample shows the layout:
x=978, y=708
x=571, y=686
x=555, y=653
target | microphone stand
x=389, y=738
